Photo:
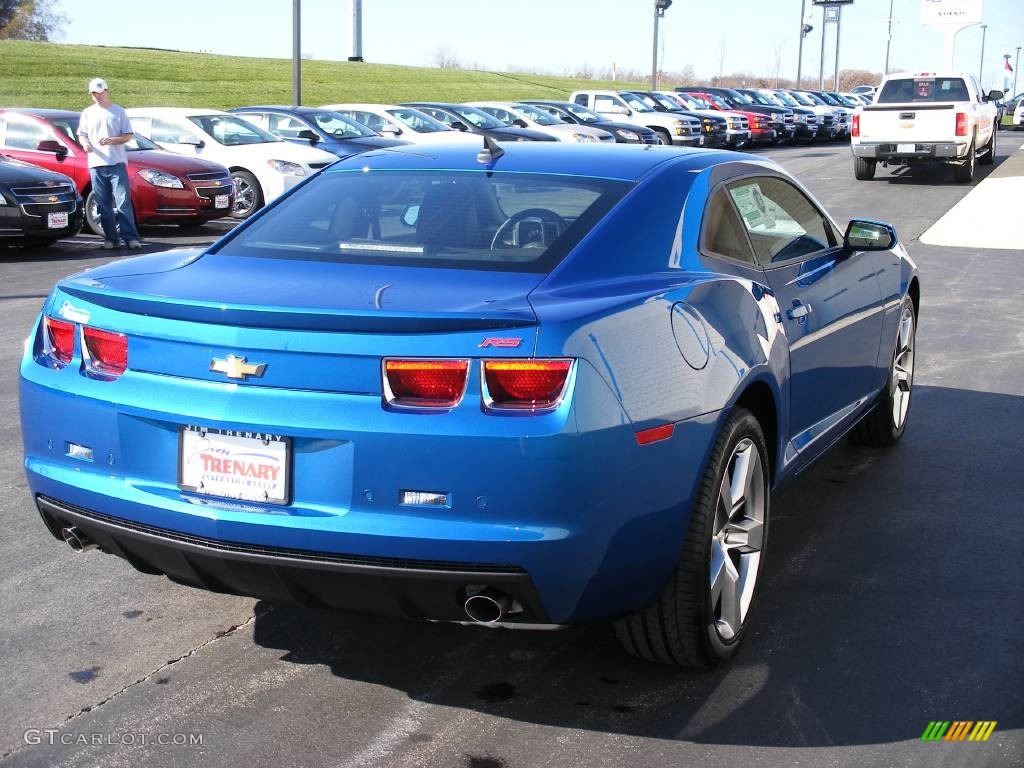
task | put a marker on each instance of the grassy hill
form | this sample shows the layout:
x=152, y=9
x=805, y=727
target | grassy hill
x=52, y=75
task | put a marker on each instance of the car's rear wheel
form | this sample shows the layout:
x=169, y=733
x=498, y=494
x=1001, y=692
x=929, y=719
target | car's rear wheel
x=887, y=421
x=248, y=195
x=990, y=151
x=863, y=169
x=964, y=173
x=701, y=615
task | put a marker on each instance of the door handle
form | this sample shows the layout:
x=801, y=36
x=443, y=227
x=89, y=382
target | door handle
x=799, y=311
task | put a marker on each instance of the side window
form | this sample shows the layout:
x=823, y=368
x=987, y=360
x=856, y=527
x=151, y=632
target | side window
x=723, y=230
x=781, y=222
x=604, y=103
x=261, y=119
x=165, y=131
x=23, y=134
x=286, y=126
x=370, y=120
x=581, y=99
x=437, y=114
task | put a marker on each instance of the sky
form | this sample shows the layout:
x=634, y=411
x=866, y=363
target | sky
x=559, y=37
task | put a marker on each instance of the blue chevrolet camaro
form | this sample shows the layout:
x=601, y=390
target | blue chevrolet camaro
x=527, y=385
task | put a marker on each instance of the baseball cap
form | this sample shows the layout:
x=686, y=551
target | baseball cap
x=97, y=84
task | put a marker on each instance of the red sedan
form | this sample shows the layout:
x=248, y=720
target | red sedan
x=165, y=187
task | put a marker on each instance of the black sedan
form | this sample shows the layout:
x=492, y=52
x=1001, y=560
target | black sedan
x=37, y=207
x=465, y=118
x=577, y=114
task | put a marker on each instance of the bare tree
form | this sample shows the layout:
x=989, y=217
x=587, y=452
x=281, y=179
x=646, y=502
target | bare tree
x=29, y=20
x=723, y=51
x=778, y=49
x=445, y=58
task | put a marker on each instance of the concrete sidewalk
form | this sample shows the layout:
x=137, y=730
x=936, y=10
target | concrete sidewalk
x=987, y=216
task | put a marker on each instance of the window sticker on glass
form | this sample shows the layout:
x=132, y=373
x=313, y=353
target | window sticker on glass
x=757, y=212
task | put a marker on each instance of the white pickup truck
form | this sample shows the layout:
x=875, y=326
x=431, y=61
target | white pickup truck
x=677, y=129
x=919, y=117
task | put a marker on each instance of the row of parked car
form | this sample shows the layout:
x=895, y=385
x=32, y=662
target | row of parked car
x=190, y=165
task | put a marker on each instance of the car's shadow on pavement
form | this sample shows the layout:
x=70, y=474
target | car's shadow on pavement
x=871, y=622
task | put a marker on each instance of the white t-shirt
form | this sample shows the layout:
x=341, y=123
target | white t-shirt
x=97, y=123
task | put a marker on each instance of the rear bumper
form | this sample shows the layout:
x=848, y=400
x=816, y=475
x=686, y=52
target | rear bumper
x=408, y=589
x=900, y=152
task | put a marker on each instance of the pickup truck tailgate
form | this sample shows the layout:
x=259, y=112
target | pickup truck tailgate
x=915, y=122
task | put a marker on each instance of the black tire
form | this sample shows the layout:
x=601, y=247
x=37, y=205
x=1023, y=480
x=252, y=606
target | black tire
x=879, y=427
x=92, y=216
x=681, y=627
x=663, y=136
x=248, y=195
x=964, y=174
x=990, y=151
x=92, y=219
x=864, y=169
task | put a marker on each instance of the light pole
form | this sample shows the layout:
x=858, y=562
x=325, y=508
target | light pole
x=888, y=40
x=296, y=54
x=660, y=6
x=981, y=66
x=1016, y=64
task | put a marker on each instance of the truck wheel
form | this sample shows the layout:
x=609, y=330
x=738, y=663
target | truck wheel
x=663, y=137
x=863, y=169
x=990, y=151
x=965, y=173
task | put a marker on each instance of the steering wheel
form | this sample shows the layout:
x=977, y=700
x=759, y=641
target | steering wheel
x=536, y=236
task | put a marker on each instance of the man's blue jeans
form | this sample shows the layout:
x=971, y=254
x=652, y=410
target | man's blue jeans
x=110, y=186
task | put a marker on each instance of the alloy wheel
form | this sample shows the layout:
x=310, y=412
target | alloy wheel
x=903, y=369
x=737, y=539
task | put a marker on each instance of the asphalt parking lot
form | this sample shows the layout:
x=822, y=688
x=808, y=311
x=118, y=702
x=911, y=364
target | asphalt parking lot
x=891, y=596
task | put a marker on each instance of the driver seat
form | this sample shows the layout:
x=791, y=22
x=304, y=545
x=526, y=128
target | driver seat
x=450, y=215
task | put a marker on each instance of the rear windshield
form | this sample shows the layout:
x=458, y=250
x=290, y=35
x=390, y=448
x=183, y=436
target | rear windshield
x=923, y=89
x=459, y=220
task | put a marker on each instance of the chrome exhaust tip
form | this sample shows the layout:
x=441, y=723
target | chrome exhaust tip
x=488, y=606
x=77, y=540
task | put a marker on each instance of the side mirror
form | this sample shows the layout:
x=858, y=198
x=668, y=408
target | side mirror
x=52, y=145
x=519, y=123
x=192, y=140
x=310, y=136
x=863, y=235
x=458, y=125
x=410, y=215
x=394, y=130
x=995, y=95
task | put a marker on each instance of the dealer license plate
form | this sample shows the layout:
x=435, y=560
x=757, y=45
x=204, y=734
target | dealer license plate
x=57, y=220
x=220, y=201
x=235, y=464
x=904, y=148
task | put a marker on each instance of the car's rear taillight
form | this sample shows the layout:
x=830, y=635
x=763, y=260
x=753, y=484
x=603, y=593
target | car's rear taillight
x=425, y=383
x=106, y=352
x=60, y=337
x=524, y=384
x=961, y=123
x=855, y=129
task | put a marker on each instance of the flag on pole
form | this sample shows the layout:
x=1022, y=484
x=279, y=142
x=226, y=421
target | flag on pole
x=1009, y=68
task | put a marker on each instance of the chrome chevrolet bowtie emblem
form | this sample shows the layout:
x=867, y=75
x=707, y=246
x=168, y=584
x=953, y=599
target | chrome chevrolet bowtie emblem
x=236, y=367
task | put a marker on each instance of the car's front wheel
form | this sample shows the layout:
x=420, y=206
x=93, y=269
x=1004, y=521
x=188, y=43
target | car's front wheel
x=701, y=614
x=248, y=195
x=886, y=423
x=663, y=136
